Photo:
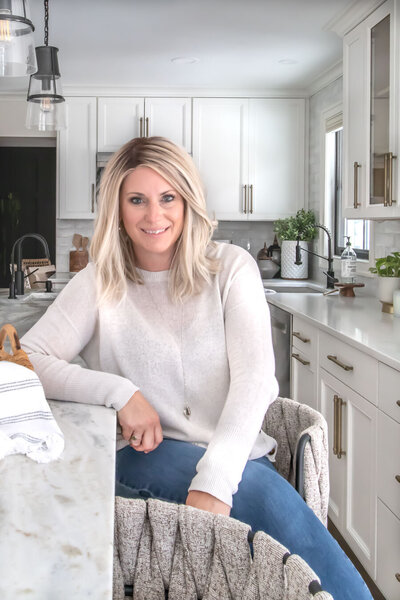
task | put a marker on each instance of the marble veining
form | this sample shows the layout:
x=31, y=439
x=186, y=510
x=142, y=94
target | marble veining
x=56, y=519
x=358, y=321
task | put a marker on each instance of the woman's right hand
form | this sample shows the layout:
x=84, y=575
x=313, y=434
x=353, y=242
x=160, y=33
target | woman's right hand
x=139, y=418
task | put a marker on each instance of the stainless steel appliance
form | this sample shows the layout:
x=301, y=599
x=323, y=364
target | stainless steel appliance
x=281, y=324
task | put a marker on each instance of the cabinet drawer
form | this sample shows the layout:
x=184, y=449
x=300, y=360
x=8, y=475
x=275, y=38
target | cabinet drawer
x=389, y=462
x=388, y=549
x=389, y=391
x=304, y=337
x=354, y=368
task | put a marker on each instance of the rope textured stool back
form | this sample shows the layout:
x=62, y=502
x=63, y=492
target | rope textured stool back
x=18, y=356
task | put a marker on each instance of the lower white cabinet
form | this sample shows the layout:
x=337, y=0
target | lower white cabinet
x=304, y=384
x=77, y=161
x=352, y=463
x=388, y=552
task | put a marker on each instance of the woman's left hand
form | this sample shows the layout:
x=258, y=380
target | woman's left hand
x=207, y=502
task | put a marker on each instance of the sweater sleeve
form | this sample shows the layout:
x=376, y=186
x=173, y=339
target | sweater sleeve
x=253, y=386
x=60, y=335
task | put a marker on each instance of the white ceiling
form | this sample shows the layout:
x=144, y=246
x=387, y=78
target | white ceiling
x=239, y=43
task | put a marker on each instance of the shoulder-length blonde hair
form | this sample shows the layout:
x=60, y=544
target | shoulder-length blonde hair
x=112, y=250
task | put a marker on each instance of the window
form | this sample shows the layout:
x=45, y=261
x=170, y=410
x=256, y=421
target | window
x=357, y=229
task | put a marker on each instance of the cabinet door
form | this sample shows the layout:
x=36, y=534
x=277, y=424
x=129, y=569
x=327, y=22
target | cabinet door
x=77, y=160
x=388, y=563
x=304, y=379
x=220, y=150
x=370, y=118
x=276, y=157
x=119, y=120
x=170, y=118
x=352, y=435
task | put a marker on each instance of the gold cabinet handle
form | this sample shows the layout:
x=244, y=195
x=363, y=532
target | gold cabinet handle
x=251, y=199
x=388, y=177
x=398, y=577
x=297, y=335
x=340, y=451
x=141, y=127
x=147, y=126
x=356, y=167
x=92, y=197
x=301, y=360
x=245, y=200
x=398, y=402
x=337, y=362
x=397, y=478
x=335, y=418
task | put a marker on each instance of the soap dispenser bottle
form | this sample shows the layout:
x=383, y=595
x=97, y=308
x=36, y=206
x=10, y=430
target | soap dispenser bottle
x=348, y=262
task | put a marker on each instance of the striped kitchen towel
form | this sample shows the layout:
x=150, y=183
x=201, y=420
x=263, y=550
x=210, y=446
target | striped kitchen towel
x=27, y=425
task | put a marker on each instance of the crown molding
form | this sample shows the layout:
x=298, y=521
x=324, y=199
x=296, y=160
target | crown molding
x=324, y=79
x=352, y=16
x=104, y=91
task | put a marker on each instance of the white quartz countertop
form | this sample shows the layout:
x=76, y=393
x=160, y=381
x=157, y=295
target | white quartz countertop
x=56, y=519
x=358, y=321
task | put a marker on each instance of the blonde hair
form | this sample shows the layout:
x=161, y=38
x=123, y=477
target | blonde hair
x=112, y=250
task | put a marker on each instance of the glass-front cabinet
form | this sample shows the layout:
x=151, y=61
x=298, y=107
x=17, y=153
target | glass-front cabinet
x=370, y=117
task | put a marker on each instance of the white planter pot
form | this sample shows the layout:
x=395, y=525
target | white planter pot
x=289, y=270
x=386, y=287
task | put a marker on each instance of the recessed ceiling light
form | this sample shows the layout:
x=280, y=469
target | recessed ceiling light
x=185, y=60
x=288, y=61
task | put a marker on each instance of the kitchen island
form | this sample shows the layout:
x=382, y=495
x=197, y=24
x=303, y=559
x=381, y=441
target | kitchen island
x=57, y=519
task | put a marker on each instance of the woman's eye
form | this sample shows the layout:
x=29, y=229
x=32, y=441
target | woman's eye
x=135, y=200
x=168, y=198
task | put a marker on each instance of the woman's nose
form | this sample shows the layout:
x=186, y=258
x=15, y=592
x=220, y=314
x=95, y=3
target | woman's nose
x=153, y=212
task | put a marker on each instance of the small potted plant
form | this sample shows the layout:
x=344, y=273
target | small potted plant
x=388, y=271
x=299, y=227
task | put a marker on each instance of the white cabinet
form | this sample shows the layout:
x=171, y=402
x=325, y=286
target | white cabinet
x=304, y=386
x=352, y=465
x=370, y=117
x=77, y=161
x=121, y=119
x=250, y=153
x=388, y=551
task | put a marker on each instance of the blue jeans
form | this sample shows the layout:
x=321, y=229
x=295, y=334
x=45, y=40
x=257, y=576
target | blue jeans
x=264, y=500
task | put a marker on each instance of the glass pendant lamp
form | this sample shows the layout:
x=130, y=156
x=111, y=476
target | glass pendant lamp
x=17, y=47
x=46, y=105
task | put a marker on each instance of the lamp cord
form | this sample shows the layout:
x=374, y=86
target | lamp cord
x=46, y=22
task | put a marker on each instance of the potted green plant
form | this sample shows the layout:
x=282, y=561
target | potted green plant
x=388, y=270
x=301, y=227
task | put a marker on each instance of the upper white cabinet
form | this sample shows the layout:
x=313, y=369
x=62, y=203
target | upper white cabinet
x=370, y=117
x=250, y=153
x=77, y=161
x=121, y=119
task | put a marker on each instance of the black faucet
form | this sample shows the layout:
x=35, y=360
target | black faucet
x=17, y=276
x=330, y=275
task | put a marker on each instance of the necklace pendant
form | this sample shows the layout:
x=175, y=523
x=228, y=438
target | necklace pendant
x=187, y=412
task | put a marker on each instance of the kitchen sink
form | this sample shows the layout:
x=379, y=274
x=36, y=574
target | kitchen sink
x=304, y=289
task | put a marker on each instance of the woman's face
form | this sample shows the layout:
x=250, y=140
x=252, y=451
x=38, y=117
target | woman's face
x=152, y=212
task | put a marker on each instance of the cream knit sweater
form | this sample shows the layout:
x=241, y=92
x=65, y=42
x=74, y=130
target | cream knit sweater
x=205, y=365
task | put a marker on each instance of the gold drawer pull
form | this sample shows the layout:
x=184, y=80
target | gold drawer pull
x=301, y=360
x=397, y=478
x=398, y=577
x=337, y=362
x=297, y=335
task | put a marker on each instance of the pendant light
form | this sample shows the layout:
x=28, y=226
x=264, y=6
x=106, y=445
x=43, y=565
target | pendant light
x=46, y=105
x=17, y=48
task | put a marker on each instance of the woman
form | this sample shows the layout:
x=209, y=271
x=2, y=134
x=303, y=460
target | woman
x=175, y=331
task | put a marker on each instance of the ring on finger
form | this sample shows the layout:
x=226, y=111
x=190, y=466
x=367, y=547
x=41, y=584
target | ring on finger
x=133, y=438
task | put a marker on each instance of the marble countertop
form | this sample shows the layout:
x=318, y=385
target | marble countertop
x=56, y=519
x=358, y=321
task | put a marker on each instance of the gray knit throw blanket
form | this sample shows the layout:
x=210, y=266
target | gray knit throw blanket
x=196, y=555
